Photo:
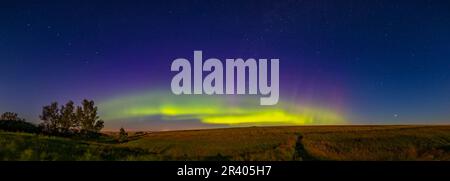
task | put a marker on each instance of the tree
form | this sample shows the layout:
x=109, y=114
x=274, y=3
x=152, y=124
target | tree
x=10, y=116
x=88, y=118
x=68, y=122
x=123, y=135
x=51, y=118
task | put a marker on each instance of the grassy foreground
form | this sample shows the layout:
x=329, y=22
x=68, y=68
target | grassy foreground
x=252, y=143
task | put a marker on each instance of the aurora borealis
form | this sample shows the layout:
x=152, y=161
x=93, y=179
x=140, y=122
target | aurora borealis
x=215, y=110
x=359, y=62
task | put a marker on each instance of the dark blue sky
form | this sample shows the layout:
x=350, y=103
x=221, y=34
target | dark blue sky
x=376, y=61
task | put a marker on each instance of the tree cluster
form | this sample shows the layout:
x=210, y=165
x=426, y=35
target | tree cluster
x=70, y=119
x=10, y=116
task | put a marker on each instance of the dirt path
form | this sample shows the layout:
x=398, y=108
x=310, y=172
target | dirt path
x=300, y=152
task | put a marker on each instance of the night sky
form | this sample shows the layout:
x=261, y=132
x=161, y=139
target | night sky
x=341, y=62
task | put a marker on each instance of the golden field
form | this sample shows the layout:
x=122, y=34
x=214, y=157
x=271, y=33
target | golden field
x=250, y=143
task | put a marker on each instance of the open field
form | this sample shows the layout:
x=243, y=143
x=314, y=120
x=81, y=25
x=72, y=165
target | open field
x=251, y=143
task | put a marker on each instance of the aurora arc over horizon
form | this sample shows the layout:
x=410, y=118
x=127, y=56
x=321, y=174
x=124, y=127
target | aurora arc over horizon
x=223, y=110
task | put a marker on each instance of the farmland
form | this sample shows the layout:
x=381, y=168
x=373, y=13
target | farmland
x=250, y=143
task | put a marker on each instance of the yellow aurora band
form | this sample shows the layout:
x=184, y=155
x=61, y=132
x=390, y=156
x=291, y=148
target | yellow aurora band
x=225, y=110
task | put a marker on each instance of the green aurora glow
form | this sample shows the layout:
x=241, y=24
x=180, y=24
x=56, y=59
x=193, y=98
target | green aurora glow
x=224, y=110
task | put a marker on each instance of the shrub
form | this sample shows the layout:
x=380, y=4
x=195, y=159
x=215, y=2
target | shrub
x=123, y=136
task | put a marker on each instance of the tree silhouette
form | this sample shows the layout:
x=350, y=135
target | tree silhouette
x=51, y=118
x=10, y=116
x=69, y=120
x=88, y=118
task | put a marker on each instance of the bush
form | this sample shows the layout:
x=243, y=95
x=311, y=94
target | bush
x=123, y=135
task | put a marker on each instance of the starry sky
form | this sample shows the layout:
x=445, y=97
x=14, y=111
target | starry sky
x=341, y=62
